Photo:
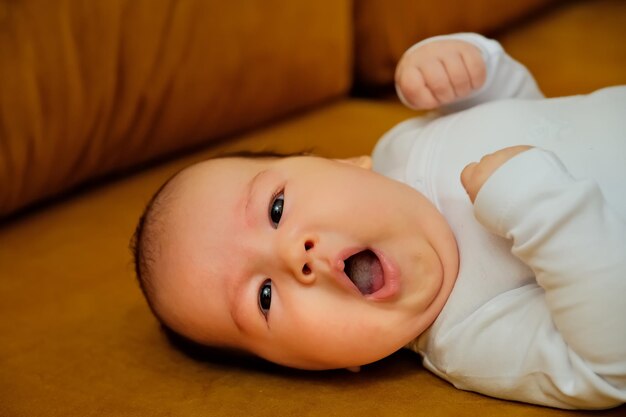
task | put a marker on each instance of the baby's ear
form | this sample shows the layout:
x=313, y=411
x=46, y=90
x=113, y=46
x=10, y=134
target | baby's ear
x=354, y=368
x=363, y=161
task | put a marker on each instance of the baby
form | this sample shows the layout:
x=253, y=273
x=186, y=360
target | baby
x=507, y=275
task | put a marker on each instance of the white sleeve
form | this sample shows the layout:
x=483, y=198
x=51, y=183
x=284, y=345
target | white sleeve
x=575, y=243
x=506, y=77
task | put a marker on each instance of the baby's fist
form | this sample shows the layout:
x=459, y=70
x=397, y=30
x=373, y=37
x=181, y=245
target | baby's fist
x=474, y=175
x=439, y=72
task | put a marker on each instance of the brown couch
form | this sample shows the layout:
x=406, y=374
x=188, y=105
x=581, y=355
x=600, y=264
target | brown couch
x=101, y=101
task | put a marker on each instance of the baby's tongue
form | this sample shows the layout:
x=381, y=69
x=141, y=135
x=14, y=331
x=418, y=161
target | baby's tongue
x=365, y=271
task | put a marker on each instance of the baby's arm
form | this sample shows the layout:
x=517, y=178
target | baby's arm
x=575, y=243
x=455, y=72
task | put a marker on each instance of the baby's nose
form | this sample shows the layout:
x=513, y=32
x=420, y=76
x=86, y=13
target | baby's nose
x=298, y=258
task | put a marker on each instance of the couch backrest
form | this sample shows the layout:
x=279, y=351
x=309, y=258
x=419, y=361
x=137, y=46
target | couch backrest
x=92, y=87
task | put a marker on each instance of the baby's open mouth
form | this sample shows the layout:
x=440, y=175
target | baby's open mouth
x=365, y=271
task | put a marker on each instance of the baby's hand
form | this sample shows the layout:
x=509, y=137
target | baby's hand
x=439, y=72
x=474, y=175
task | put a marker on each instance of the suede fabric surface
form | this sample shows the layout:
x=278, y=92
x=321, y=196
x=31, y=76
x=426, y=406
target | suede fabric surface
x=90, y=88
x=76, y=336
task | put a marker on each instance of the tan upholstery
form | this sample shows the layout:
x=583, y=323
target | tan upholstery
x=76, y=337
x=87, y=89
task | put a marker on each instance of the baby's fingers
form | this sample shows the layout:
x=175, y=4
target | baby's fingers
x=413, y=87
x=438, y=81
x=459, y=75
x=475, y=174
x=472, y=179
x=475, y=66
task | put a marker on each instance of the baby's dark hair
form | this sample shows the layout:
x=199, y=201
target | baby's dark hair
x=144, y=244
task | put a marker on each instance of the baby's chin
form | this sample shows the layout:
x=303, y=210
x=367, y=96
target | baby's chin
x=337, y=361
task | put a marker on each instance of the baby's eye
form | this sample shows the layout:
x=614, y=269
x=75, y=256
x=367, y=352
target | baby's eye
x=276, y=209
x=265, y=297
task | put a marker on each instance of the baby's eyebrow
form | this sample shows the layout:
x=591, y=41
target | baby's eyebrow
x=250, y=188
x=235, y=300
x=235, y=307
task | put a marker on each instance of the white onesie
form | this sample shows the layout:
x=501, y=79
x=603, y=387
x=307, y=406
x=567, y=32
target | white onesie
x=538, y=312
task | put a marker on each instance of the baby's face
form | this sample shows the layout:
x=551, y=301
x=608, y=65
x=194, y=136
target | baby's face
x=263, y=255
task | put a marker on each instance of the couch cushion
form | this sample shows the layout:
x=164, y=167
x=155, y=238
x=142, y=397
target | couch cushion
x=384, y=29
x=574, y=49
x=76, y=336
x=88, y=88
